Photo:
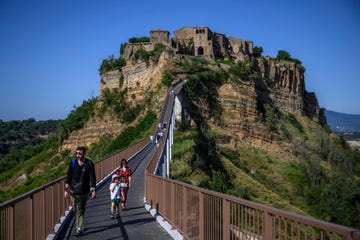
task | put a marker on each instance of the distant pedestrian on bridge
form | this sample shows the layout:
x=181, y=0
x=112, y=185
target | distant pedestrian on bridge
x=80, y=180
x=125, y=181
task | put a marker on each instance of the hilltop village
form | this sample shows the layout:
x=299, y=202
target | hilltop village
x=198, y=41
x=201, y=41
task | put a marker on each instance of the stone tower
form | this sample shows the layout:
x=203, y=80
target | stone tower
x=198, y=41
x=160, y=36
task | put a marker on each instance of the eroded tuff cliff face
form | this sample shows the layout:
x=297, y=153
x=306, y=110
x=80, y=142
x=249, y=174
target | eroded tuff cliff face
x=280, y=84
x=286, y=88
x=286, y=85
x=92, y=131
x=239, y=102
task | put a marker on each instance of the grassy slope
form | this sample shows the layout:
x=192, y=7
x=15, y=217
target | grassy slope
x=248, y=172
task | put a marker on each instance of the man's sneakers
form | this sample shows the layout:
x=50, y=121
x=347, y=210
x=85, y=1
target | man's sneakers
x=112, y=216
x=79, y=232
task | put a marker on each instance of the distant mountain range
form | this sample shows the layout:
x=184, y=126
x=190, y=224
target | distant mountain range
x=343, y=122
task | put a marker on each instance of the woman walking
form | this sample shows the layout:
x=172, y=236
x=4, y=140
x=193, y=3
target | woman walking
x=125, y=181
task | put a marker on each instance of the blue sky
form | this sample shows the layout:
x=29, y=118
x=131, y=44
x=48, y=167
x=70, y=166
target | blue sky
x=50, y=51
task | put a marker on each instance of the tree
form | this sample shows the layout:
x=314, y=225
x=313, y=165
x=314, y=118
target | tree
x=283, y=55
x=257, y=51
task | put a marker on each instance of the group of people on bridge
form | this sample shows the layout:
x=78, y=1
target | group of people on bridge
x=159, y=134
x=119, y=186
x=81, y=180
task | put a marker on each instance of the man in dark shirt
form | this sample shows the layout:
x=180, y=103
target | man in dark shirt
x=80, y=180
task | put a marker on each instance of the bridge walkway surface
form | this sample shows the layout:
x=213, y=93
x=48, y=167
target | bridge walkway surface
x=134, y=223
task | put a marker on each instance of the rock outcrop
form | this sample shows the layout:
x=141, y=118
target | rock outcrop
x=92, y=131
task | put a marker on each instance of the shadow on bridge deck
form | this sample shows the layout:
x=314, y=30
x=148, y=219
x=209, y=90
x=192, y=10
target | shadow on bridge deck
x=134, y=223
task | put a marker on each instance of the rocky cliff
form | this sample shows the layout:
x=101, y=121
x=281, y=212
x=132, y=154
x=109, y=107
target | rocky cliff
x=279, y=83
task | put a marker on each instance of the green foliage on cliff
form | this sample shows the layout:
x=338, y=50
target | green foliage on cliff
x=107, y=144
x=197, y=160
x=167, y=78
x=142, y=54
x=139, y=39
x=114, y=100
x=284, y=55
x=243, y=70
x=195, y=65
x=122, y=48
x=257, y=51
x=77, y=118
x=111, y=63
x=131, y=134
x=202, y=84
x=271, y=117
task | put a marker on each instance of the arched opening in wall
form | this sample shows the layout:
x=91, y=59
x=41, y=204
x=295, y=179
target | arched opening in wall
x=200, y=51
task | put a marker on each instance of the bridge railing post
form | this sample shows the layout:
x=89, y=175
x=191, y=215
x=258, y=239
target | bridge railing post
x=201, y=216
x=267, y=226
x=226, y=219
x=356, y=236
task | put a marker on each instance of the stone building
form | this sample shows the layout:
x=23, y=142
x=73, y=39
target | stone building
x=160, y=36
x=201, y=41
x=198, y=41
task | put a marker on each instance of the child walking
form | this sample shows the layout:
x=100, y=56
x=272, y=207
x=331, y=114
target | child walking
x=115, y=191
